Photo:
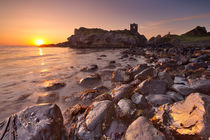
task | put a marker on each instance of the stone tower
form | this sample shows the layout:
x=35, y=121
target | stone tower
x=134, y=28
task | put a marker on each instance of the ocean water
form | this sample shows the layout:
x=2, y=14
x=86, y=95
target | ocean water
x=25, y=71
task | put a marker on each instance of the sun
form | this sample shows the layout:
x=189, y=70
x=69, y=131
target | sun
x=39, y=42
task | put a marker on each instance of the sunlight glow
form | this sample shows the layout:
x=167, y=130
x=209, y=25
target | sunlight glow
x=39, y=42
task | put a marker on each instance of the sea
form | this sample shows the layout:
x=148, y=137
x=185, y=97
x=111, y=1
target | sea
x=26, y=71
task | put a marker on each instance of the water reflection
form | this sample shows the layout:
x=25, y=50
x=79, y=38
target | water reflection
x=48, y=83
x=40, y=52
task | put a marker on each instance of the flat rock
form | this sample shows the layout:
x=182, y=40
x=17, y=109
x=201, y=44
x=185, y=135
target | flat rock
x=180, y=80
x=50, y=97
x=55, y=86
x=142, y=129
x=152, y=87
x=158, y=99
x=90, y=81
x=35, y=123
x=188, y=119
x=183, y=89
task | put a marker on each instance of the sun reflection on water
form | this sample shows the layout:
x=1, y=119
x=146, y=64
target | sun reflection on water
x=40, y=52
x=48, y=83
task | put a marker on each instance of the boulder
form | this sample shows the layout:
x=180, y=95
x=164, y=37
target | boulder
x=188, y=119
x=116, y=130
x=138, y=69
x=152, y=87
x=137, y=98
x=122, y=91
x=142, y=129
x=158, y=99
x=175, y=96
x=202, y=86
x=126, y=108
x=183, y=89
x=35, y=123
x=120, y=75
x=99, y=111
x=165, y=77
x=98, y=38
x=90, y=81
x=147, y=73
x=180, y=80
x=96, y=122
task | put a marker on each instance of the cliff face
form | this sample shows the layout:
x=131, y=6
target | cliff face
x=98, y=38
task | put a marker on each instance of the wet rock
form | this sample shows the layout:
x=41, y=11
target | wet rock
x=116, y=130
x=90, y=81
x=73, y=115
x=106, y=75
x=183, y=89
x=98, y=113
x=101, y=89
x=98, y=117
x=137, y=69
x=175, y=96
x=142, y=129
x=165, y=77
x=92, y=68
x=110, y=66
x=112, y=62
x=147, y=73
x=126, y=107
x=55, y=86
x=180, y=80
x=103, y=55
x=159, y=99
x=122, y=91
x=152, y=87
x=35, y=123
x=202, y=86
x=188, y=119
x=120, y=75
x=89, y=94
x=137, y=98
x=104, y=96
x=50, y=97
x=23, y=97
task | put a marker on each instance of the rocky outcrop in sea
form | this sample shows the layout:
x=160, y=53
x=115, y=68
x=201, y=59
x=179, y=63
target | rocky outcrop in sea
x=99, y=38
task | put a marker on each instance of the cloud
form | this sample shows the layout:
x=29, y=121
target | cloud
x=166, y=21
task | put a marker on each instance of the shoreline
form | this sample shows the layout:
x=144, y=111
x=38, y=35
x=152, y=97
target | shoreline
x=174, y=79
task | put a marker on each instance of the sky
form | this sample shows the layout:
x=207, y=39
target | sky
x=24, y=21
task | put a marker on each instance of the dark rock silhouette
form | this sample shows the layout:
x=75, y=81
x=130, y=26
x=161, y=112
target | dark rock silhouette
x=198, y=31
x=99, y=38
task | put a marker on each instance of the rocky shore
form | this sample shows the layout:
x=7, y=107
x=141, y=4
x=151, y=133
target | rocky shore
x=166, y=98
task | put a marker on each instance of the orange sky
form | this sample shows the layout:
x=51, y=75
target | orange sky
x=24, y=21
